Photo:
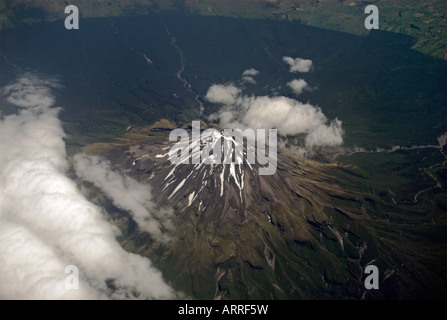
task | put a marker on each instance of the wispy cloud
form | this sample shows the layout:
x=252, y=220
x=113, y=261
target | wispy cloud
x=248, y=75
x=46, y=223
x=250, y=72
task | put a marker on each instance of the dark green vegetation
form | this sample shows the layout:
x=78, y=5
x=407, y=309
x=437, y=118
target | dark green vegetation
x=401, y=171
x=406, y=204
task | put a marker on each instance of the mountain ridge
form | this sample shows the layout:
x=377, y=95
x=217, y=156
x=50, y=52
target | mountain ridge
x=306, y=232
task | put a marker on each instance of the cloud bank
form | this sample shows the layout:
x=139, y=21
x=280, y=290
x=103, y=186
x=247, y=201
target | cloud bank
x=298, y=64
x=46, y=223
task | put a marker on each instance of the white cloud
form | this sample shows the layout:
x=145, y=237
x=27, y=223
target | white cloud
x=297, y=85
x=31, y=92
x=225, y=94
x=250, y=72
x=442, y=140
x=46, y=223
x=247, y=76
x=298, y=64
x=326, y=135
x=288, y=116
x=247, y=79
